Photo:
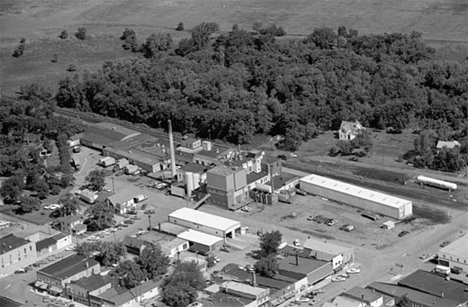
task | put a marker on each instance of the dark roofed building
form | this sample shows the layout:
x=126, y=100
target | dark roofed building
x=11, y=242
x=46, y=244
x=435, y=284
x=81, y=289
x=367, y=296
x=134, y=245
x=74, y=267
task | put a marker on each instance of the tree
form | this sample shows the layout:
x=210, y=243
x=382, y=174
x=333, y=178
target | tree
x=257, y=26
x=42, y=189
x=18, y=52
x=110, y=252
x=324, y=38
x=70, y=206
x=153, y=261
x=96, y=180
x=156, y=43
x=180, y=26
x=71, y=67
x=86, y=249
x=267, y=267
x=100, y=217
x=180, y=289
x=345, y=147
x=54, y=58
x=129, y=274
x=81, y=34
x=11, y=189
x=404, y=302
x=270, y=242
x=128, y=32
x=28, y=204
x=64, y=34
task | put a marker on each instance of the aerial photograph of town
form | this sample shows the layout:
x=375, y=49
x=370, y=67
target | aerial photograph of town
x=174, y=153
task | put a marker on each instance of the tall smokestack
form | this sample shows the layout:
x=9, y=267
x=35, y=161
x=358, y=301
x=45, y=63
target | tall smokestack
x=171, y=144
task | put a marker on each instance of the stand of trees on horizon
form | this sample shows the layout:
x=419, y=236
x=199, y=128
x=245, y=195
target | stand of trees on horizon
x=235, y=85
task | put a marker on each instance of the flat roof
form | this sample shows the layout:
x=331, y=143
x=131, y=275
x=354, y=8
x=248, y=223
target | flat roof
x=325, y=247
x=356, y=191
x=221, y=299
x=205, y=219
x=11, y=242
x=305, y=266
x=136, y=155
x=172, y=228
x=92, y=282
x=414, y=295
x=458, y=247
x=199, y=237
x=42, y=244
x=224, y=170
x=282, y=180
x=363, y=294
x=195, y=168
x=253, y=177
x=243, y=288
x=271, y=283
x=69, y=266
x=435, y=284
x=117, y=129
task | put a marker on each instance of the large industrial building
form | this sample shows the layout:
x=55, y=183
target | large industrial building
x=349, y=194
x=205, y=222
x=455, y=255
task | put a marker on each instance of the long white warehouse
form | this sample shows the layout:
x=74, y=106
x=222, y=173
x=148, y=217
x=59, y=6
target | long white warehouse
x=342, y=192
x=205, y=222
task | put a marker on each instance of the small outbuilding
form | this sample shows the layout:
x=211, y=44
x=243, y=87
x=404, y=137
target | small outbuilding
x=388, y=225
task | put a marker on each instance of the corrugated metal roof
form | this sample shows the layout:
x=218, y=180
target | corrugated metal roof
x=205, y=219
x=356, y=191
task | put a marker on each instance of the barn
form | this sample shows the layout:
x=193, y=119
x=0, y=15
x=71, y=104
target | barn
x=356, y=196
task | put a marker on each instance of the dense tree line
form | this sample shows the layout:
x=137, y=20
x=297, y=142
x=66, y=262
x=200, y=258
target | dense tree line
x=234, y=85
x=27, y=129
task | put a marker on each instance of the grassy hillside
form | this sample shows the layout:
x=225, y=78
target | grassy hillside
x=41, y=21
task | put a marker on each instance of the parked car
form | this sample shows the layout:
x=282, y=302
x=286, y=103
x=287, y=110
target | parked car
x=20, y=271
x=353, y=271
x=301, y=192
x=127, y=222
x=143, y=207
x=332, y=222
x=338, y=279
x=445, y=243
x=135, y=218
x=403, y=233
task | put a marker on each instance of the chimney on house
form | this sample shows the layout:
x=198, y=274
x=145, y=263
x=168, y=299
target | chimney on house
x=171, y=144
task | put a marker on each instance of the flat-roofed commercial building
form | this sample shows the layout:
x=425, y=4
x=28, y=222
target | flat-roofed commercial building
x=397, y=208
x=15, y=252
x=201, y=242
x=455, y=254
x=227, y=186
x=81, y=289
x=205, y=222
x=57, y=275
x=336, y=254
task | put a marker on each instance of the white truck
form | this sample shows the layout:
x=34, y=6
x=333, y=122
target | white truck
x=139, y=198
x=443, y=270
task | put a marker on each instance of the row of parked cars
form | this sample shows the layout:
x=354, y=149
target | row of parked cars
x=320, y=219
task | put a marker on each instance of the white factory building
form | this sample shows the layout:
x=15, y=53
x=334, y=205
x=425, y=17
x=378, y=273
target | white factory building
x=455, y=255
x=205, y=222
x=349, y=194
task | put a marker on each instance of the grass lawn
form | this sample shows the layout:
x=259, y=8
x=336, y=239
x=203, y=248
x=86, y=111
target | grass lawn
x=442, y=22
x=39, y=217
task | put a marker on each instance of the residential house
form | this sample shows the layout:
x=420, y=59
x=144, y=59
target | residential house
x=134, y=245
x=71, y=224
x=367, y=296
x=349, y=130
x=121, y=202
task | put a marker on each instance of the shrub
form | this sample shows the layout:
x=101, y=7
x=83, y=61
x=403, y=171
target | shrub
x=64, y=34
x=71, y=67
x=17, y=53
x=54, y=58
x=81, y=34
x=180, y=26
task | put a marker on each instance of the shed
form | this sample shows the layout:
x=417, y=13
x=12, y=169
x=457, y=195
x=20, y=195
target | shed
x=388, y=225
x=131, y=169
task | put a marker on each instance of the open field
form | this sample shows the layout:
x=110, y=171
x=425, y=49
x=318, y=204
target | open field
x=442, y=22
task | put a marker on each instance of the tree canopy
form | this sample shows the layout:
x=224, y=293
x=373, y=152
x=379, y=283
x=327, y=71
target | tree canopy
x=96, y=179
x=153, y=261
x=267, y=266
x=180, y=288
x=238, y=84
x=270, y=242
x=100, y=216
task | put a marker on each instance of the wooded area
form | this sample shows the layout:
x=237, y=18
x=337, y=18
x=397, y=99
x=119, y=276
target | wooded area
x=235, y=85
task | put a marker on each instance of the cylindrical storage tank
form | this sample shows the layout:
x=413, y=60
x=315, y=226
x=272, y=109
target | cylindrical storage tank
x=189, y=182
x=437, y=183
